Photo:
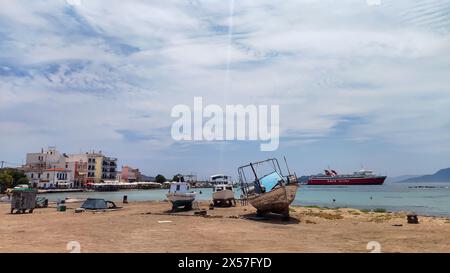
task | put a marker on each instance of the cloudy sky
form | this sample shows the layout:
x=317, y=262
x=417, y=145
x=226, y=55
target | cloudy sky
x=357, y=84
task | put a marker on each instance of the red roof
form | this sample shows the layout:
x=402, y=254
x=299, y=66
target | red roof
x=57, y=170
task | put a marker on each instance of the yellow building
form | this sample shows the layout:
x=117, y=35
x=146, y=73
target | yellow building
x=98, y=169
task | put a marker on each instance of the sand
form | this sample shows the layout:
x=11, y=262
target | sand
x=148, y=227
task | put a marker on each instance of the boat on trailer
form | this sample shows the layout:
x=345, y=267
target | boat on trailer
x=223, y=192
x=181, y=195
x=269, y=190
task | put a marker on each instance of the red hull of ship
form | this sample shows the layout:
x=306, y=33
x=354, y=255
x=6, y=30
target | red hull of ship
x=347, y=181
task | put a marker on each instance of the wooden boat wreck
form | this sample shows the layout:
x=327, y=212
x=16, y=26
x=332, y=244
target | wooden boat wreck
x=269, y=191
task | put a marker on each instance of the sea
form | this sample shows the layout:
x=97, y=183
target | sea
x=424, y=199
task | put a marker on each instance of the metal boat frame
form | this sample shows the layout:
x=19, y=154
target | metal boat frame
x=278, y=199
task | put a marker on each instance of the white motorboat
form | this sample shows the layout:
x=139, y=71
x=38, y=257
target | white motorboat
x=181, y=195
x=223, y=192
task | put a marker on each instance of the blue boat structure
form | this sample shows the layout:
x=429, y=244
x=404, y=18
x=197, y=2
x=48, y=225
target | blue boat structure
x=181, y=195
x=268, y=190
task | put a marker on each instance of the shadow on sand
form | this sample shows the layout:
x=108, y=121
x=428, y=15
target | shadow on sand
x=177, y=210
x=272, y=218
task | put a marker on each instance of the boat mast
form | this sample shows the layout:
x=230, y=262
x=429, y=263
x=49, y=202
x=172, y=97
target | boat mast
x=256, y=176
x=287, y=167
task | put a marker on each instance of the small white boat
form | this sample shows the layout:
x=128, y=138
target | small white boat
x=181, y=195
x=73, y=200
x=223, y=192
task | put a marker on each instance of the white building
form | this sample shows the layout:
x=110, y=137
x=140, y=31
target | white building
x=56, y=178
x=48, y=169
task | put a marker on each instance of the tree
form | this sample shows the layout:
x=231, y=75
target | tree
x=177, y=178
x=6, y=181
x=160, y=178
x=10, y=178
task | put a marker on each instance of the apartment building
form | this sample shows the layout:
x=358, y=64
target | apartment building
x=129, y=174
x=94, y=167
x=48, y=169
x=52, y=169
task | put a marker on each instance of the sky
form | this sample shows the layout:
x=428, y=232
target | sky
x=359, y=83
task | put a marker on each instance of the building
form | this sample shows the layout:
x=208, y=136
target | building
x=79, y=169
x=129, y=174
x=50, y=168
x=109, y=168
x=56, y=178
x=94, y=167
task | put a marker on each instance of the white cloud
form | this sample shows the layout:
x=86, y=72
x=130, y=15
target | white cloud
x=80, y=73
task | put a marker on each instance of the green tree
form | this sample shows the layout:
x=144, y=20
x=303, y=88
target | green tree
x=18, y=176
x=6, y=181
x=10, y=178
x=160, y=178
x=177, y=178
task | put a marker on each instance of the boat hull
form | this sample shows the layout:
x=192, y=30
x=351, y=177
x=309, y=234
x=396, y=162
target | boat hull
x=276, y=201
x=181, y=200
x=378, y=180
x=223, y=195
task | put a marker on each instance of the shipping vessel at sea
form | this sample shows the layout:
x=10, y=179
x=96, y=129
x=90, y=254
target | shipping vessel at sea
x=361, y=177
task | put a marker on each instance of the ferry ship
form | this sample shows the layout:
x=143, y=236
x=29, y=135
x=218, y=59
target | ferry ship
x=361, y=177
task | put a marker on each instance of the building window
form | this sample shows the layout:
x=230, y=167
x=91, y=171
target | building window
x=32, y=176
x=48, y=175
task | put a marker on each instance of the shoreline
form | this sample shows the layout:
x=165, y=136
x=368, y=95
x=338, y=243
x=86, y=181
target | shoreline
x=397, y=198
x=44, y=191
x=139, y=195
x=149, y=226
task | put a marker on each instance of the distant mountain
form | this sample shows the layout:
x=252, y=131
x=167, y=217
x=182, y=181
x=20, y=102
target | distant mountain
x=303, y=179
x=442, y=175
x=400, y=178
x=145, y=178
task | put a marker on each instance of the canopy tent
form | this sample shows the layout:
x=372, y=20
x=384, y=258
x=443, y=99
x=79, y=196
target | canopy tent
x=94, y=203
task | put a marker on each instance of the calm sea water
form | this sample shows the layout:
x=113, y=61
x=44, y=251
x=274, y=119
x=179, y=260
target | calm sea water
x=392, y=197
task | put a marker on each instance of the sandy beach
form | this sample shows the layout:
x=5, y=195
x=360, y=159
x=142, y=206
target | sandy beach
x=149, y=227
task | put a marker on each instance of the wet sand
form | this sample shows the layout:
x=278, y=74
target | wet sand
x=149, y=227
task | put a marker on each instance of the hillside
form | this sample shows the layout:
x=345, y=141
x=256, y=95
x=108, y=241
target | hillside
x=442, y=175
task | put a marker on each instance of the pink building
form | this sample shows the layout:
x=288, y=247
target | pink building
x=129, y=174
